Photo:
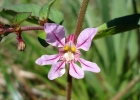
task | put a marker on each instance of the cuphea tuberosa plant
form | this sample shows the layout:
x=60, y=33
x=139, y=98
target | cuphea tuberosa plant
x=50, y=20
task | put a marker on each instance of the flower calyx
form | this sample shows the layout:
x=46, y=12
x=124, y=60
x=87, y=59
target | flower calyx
x=21, y=43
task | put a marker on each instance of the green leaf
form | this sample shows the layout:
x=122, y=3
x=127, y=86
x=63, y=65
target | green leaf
x=15, y=9
x=56, y=16
x=42, y=38
x=45, y=10
x=48, y=12
x=119, y=25
x=33, y=8
x=19, y=18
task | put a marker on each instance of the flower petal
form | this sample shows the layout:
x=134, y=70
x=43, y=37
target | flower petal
x=76, y=71
x=55, y=34
x=47, y=59
x=85, y=38
x=57, y=70
x=89, y=66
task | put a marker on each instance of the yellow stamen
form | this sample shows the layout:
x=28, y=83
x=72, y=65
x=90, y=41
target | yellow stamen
x=73, y=49
x=66, y=48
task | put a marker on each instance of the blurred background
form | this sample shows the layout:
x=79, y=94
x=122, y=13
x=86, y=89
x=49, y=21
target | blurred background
x=117, y=56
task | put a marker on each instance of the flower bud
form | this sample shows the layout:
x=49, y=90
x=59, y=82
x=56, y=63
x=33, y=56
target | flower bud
x=21, y=45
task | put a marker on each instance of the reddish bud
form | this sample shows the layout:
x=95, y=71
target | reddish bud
x=21, y=45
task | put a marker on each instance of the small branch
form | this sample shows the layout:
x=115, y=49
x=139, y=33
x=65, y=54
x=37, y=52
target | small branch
x=120, y=94
x=69, y=85
x=27, y=28
x=81, y=18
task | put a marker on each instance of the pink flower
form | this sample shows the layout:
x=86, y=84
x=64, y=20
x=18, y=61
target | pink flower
x=68, y=52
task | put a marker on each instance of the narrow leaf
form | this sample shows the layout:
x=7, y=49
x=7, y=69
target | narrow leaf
x=119, y=25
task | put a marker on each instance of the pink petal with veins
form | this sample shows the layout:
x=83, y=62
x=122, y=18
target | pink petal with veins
x=76, y=71
x=47, y=59
x=55, y=34
x=57, y=70
x=85, y=38
x=89, y=66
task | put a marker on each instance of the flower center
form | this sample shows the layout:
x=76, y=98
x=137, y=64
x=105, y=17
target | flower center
x=70, y=48
x=68, y=56
x=69, y=52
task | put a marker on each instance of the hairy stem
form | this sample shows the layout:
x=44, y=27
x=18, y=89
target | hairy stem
x=81, y=17
x=69, y=85
x=77, y=32
x=27, y=28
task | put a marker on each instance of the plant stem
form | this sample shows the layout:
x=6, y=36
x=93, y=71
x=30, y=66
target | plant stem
x=27, y=28
x=81, y=17
x=69, y=85
x=77, y=32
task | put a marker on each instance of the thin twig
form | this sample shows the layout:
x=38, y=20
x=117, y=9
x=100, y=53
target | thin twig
x=120, y=94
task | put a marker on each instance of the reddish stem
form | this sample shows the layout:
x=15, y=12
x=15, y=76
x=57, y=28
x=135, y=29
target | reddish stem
x=27, y=28
x=69, y=85
x=77, y=32
x=81, y=17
